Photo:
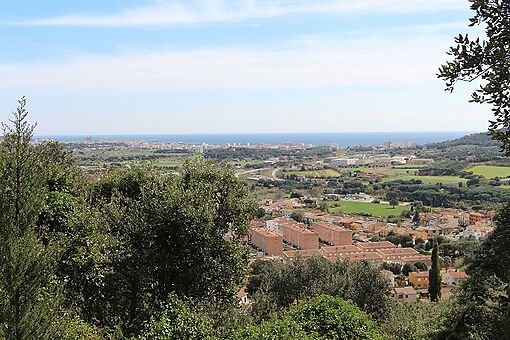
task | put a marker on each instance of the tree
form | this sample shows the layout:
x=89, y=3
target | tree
x=407, y=268
x=282, y=284
x=416, y=218
x=487, y=61
x=150, y=235
x=29, y=304
x=334, y=318
x=393, y=202
x=481, y=309
x=322, y=317
x=421, y=266
x=179, y=319
x=435, y=276
x=414, y=321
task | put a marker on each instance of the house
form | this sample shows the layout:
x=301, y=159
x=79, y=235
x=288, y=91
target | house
x=477, y=232
x=389, y=276
x=475, y=217
x=404, y=294
x=419, y=280
x=453, y=278
x=242, y=297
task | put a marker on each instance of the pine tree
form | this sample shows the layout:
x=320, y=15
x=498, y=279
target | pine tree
x=27, y=304
x=435, y=276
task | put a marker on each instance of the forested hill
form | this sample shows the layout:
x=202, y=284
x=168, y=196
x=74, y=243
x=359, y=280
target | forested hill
x=477, y=139
x=474, y=148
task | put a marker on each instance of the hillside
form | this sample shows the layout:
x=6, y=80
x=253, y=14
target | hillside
x=477, y=139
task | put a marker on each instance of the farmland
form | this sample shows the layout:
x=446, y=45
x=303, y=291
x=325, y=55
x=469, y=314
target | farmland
x=489, y=171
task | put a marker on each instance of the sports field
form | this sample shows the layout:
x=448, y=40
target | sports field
x=374, y=209
x=490, y=171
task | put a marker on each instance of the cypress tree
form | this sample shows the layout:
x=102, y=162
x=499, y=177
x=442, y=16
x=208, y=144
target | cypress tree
x=27, y=303
x=416, y=217
x=435, y=276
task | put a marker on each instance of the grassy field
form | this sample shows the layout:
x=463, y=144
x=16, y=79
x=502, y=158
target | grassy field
x=374, y=209
x=436, y=179
x=489, y=171
x=314, y=173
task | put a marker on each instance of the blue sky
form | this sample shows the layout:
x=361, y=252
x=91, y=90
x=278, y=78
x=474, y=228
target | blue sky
x=233, y=66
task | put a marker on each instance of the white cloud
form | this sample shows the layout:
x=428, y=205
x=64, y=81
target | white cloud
x=178, y=12
x=370, y=60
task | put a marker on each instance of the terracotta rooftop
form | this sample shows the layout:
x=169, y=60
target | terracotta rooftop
x=399, y=251
x=264, y=232
x=376, y=245
x=458, y=275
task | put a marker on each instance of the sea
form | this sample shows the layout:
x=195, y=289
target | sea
x=341, y=138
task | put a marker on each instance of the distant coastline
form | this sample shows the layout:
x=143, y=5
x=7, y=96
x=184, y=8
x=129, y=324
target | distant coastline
x=342, y=139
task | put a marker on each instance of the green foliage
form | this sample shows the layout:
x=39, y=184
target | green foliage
x=482, y=308
x=29, y=302
x=179, y=233
x=179, y=319
x=486, y=60
x=282, y=284
x=393, y=202
x=415, y=321
x=407, y=268
x=323, y=317
x=397, y=239
x=278, y=327
x=333, y=318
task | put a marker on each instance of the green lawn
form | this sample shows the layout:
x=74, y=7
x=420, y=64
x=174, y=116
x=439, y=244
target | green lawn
x=489, y=171
x=374, y=209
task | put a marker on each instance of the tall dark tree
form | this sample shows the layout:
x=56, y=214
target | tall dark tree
x=486, y=61
x=28, y=305
x=435, y=276
x=416, y=217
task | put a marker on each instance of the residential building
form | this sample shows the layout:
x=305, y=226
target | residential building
x=271, y=243
x=397, y=255
x=419, y=280
x=289, y=255
x=375, y=246
x=298, y=235
x=477, y=232
x=334, y=251
x=404, y=294
x=332, y=234
x=389, y=276
x=453, y=278
x=368, y=256
x=475, y=217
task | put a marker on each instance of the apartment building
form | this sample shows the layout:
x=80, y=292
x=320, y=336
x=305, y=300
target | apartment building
x=271, y=243
x=332, y=234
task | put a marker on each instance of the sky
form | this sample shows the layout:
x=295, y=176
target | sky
x=233, y=66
